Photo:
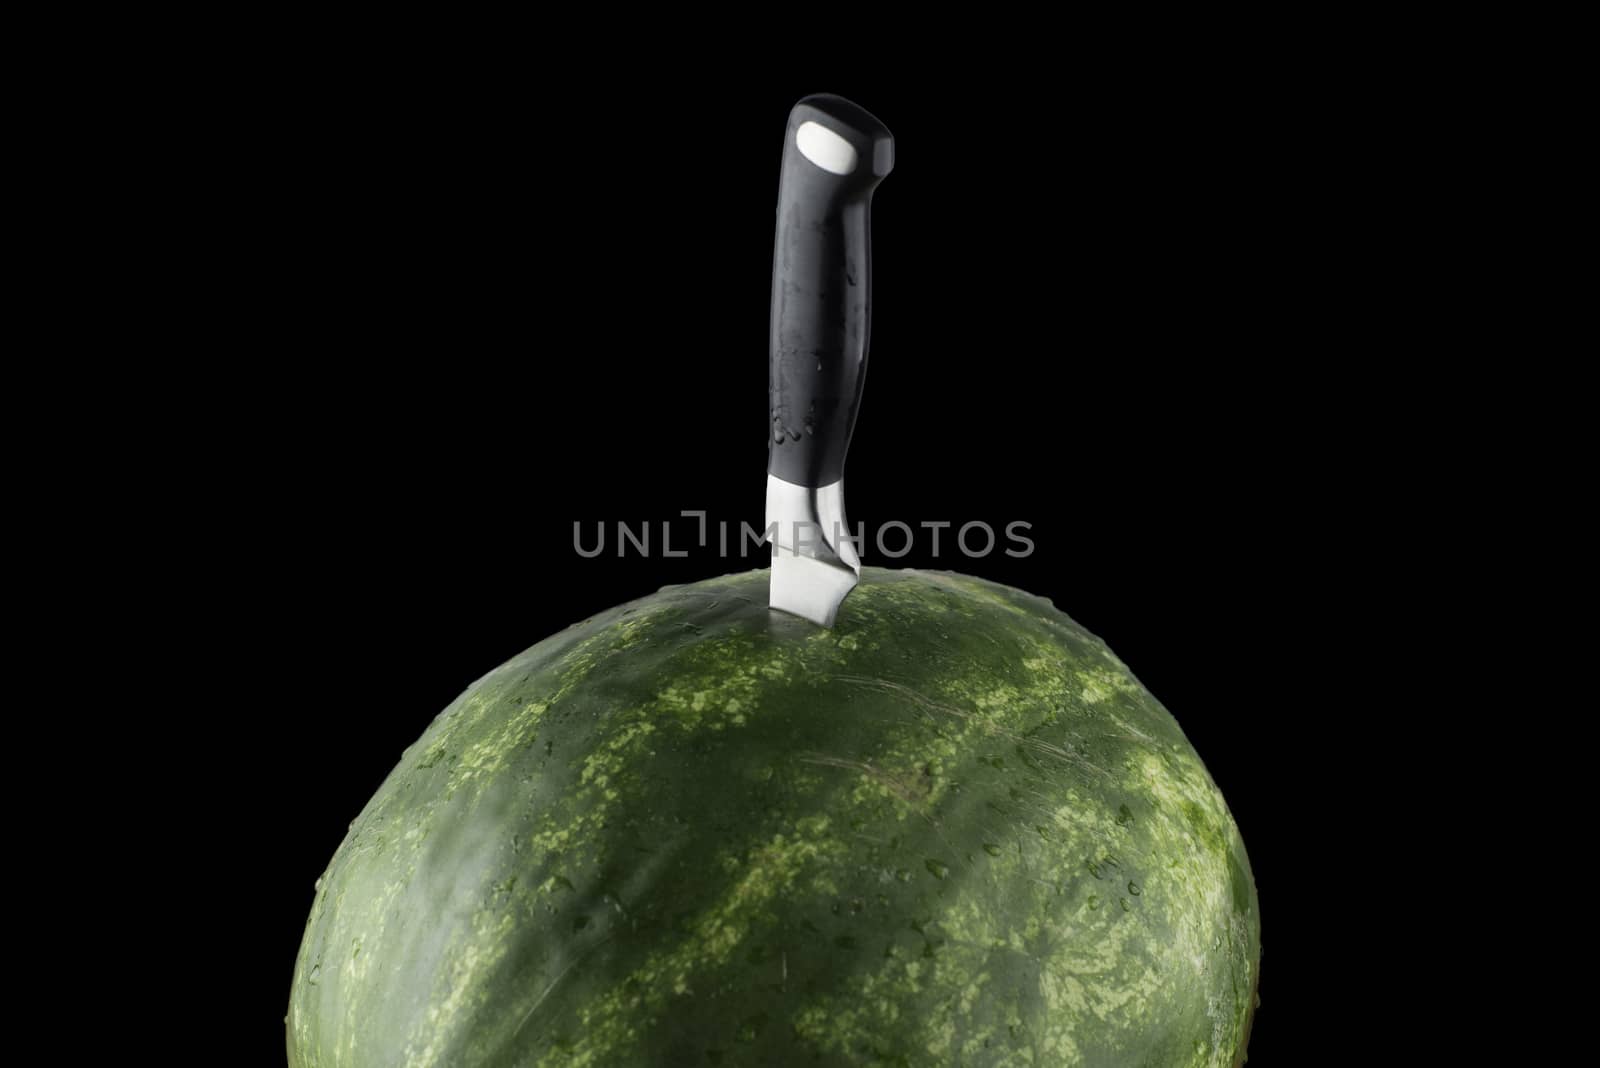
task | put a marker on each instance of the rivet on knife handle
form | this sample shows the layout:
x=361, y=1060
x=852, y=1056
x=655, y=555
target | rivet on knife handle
x=834, y=155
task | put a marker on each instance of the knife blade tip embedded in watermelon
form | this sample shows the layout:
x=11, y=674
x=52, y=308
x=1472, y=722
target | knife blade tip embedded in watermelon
x=954, y=829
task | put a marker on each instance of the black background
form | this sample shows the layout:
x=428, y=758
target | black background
x=461, y=311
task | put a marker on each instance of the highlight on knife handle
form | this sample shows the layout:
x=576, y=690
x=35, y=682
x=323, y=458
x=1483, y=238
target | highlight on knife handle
x=834, y=155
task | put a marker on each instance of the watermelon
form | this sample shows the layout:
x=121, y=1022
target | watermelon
x=952, y=830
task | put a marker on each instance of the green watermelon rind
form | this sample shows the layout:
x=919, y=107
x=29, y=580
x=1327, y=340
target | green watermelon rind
x=953, y=829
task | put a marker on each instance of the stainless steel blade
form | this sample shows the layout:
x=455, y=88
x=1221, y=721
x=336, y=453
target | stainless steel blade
x=810, y=588
x=814, y=561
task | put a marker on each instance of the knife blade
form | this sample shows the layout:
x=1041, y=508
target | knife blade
x=834, y=155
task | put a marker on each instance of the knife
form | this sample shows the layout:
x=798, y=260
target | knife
x=834, y=155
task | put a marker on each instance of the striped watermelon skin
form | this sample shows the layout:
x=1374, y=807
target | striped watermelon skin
x=953, y=830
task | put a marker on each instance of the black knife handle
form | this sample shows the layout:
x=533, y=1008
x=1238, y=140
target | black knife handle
x=821, y=285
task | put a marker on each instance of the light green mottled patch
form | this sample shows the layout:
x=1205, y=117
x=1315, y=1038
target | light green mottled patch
x=609, y=1030
x=475, y=956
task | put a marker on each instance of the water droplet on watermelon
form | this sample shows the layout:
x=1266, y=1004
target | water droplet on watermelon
x=938, y=868
x=1094, y=869
x=1125, y=906
x=991, y=849
x=1134, y=888
x=903, y=875
x=1094, y=901
x=317, y=886
x=316, y=975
